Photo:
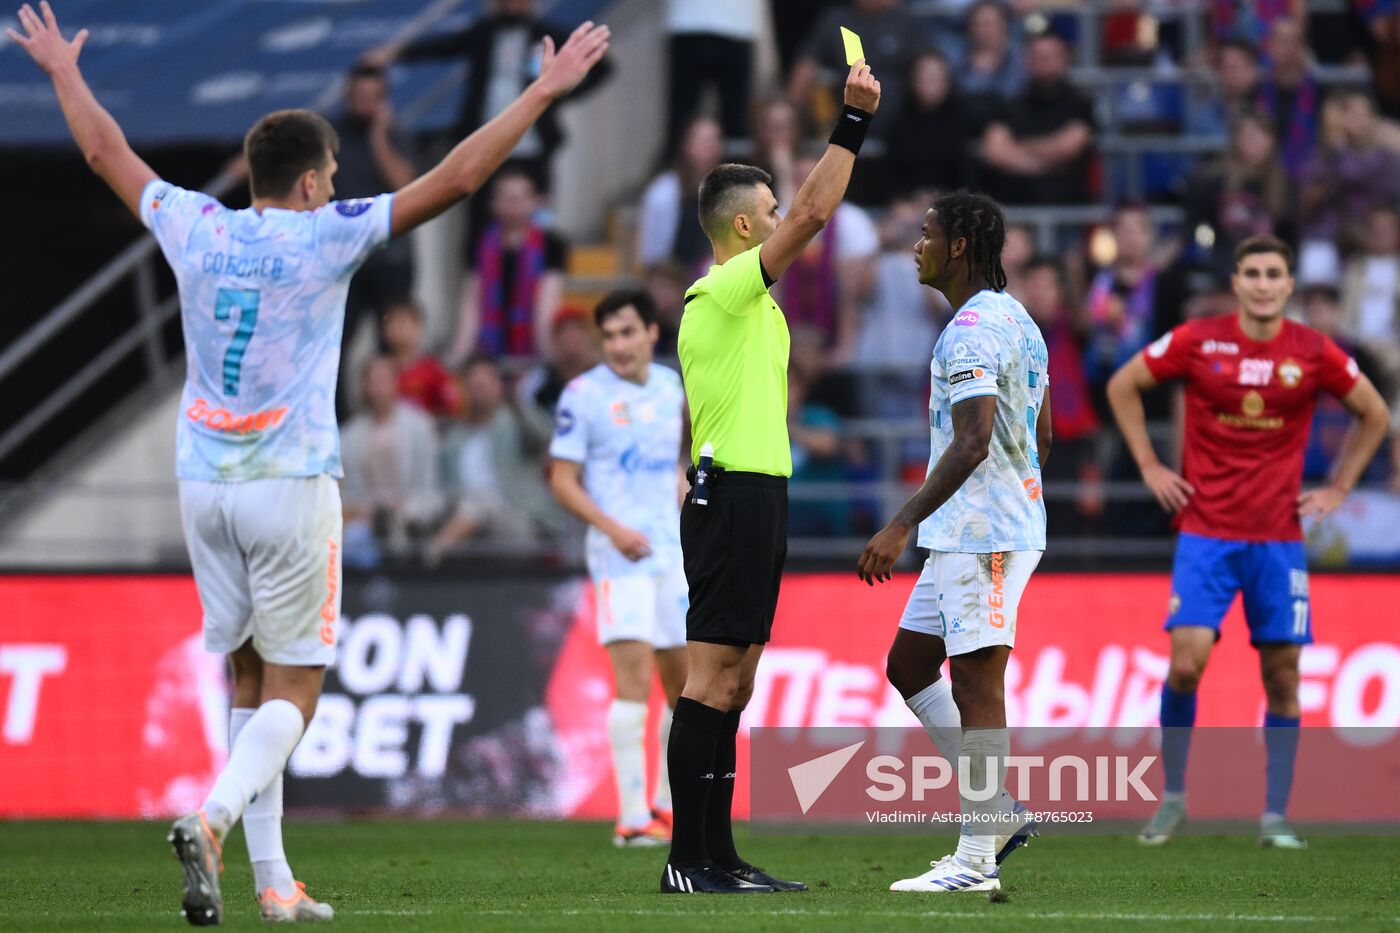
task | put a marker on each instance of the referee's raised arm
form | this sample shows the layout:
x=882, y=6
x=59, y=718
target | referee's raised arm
x=816, y=201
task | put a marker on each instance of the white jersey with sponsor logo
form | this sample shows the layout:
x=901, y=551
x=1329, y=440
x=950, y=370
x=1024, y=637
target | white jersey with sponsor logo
x=991, y=347
x=628, y=438
x=262, y=304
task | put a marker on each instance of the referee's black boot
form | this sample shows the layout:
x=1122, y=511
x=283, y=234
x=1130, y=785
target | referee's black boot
x=752, y=875
x=707, y=879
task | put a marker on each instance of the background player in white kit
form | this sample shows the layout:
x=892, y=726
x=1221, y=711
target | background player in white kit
x=980, y=513
x=262, y=301
x=616, y=465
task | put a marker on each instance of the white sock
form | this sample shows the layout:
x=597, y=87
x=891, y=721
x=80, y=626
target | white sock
x=627, y=726
x=986, y=751
x=256, y=759
x=661, y=800
x=262, y=826
x=936, y=710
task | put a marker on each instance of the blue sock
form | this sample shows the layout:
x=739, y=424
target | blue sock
x=1281, y=742
x=1178, y=716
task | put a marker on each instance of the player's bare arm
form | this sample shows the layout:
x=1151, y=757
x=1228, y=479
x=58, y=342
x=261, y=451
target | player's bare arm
x=1125, y=398
x=972, y=437
x=97, y=134
x=1043, y=435
x=816, y=201
x=467, y=167
x=1362, y=441
x=566, y=482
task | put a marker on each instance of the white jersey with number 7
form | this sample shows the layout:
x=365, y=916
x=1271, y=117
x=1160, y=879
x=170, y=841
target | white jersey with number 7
x=262, y=306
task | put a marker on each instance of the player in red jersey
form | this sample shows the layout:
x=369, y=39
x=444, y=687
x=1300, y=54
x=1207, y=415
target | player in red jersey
x=1252, y=380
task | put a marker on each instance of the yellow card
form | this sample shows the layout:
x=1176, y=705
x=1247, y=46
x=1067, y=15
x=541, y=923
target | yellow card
x=854, y=52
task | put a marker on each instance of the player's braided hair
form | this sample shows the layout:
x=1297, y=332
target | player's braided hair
x=979, y=219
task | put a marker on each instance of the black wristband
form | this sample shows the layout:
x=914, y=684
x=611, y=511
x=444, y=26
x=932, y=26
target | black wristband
x=851, y=128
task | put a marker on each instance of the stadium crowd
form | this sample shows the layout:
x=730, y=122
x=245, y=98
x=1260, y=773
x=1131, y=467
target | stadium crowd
x=446, y=445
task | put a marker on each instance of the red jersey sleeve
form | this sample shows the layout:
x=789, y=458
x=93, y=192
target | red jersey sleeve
x=1169, y=356
x=1339, y=373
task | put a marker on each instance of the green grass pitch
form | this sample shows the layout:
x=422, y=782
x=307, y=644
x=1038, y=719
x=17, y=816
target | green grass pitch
x=461, y=875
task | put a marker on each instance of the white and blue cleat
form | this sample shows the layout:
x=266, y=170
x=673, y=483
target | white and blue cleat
x=950, y=876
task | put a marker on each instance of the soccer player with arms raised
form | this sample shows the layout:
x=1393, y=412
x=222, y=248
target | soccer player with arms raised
x=1251, y=384
x=262, y=303
x=981, y=514
x=616, y=452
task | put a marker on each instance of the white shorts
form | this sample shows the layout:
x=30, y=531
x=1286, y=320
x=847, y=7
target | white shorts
x=648, y=607
x=970, y=600
x=266, y=558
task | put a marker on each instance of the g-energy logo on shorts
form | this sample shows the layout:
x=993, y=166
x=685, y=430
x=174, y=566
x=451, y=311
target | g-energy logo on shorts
x=965, y=375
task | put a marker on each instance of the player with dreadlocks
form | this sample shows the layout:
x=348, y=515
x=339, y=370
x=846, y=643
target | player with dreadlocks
x=981, y=515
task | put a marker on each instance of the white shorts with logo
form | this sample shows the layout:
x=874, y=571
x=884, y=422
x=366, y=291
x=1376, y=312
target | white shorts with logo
x=970, y=600
x=266, y=559
x=647, y=607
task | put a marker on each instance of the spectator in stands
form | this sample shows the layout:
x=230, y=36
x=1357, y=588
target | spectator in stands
x=1122, y=297
x=491, y=468
x=1289, y=95
x=573, y=351
x=666, y=284
x=712, y=45
x=501, y=48
x=819, y=450
x=990, y=68
x=390, y=495
x=815, y=434
x=825, y=287
x=375, y=156
x=668, y=226
x=423, y=380
x=1015, y=252
x=1382, y=18
x=1371, y=294
x=1239, y=194
x=1348, y=175
x=1251, y=20
x=1212, y=109
x=1323, y=310
x=1073, y=418
x=515, y=280
x=929, y=144
x=1040, y=149
x=900, y=321
x=777, y=137
x=890, y=35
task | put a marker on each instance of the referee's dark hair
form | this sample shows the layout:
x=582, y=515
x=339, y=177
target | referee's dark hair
x=721, y=193
x=979, y=219
x=613, y=302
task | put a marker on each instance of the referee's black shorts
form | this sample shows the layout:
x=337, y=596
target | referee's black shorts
x=734, y=550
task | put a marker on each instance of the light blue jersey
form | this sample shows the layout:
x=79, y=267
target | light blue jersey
x=991, y=347
x=262, y=304
x=628, y=438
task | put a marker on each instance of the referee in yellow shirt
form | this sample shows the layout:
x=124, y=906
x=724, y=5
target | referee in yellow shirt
x=734, y=355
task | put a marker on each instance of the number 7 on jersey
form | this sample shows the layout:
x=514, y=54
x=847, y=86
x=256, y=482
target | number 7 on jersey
x=246, y=301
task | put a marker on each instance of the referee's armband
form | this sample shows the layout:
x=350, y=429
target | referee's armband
x=851, y=128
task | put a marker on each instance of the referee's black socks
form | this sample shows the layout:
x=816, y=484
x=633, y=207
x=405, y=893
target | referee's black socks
x=697, y=732
x=719, y=827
